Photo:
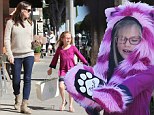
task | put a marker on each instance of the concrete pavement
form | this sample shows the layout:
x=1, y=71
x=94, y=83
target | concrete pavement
x=48, y=107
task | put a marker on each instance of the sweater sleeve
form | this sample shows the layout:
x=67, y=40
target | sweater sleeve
x=80, y=56
x=7, y=38
x=140, y=82
x=55, y=59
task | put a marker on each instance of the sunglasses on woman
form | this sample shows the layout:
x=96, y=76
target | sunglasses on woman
x=28, y=10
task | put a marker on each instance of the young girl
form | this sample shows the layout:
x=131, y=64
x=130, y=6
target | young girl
x=66, y=51
x=122, y=81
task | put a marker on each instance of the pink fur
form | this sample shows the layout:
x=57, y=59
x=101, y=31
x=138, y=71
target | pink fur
x=69, y=82
x=112, y=99
x=137, y=61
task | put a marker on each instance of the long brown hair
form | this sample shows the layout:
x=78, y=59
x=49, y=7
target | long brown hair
x=60, y=42
x=17, y=16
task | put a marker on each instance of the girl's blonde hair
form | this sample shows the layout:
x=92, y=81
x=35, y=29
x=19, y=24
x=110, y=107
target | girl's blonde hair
x=60, y=42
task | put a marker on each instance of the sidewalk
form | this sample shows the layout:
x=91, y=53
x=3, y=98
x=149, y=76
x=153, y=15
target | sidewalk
x=48, y=107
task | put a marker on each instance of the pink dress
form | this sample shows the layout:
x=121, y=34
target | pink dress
x=66, y=59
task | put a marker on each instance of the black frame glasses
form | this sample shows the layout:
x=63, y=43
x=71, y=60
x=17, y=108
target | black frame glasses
x=134, y=40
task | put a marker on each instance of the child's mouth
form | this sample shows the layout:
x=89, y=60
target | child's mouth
x=127, y=51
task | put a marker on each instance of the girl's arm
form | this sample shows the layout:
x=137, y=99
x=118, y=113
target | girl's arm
x=80, y=56
x=55, y=59
x=123, y=94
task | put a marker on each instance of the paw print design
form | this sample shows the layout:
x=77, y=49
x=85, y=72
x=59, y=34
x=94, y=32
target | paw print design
x=85, y=82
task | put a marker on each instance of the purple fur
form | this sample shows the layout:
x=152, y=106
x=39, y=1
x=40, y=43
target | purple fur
x=69, y=82
x=137, y=61
x=105, y=44
x=112, y=99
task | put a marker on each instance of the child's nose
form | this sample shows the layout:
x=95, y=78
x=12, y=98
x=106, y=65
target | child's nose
x=127, y=43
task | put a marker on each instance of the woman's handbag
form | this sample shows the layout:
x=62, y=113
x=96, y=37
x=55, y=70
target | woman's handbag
x=47, y=89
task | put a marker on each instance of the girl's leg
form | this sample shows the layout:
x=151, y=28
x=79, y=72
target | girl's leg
x=71, y=109
x=62, y=93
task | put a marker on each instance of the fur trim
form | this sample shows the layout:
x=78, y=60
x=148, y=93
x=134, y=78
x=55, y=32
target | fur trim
x=69, y=80
x=101, y=68
x=112, y=99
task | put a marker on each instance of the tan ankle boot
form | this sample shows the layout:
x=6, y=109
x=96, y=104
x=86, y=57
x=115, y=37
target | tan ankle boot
x=24, y=108
x=17, y=102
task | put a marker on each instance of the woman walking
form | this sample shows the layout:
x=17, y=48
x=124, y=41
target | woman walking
x=17, y=39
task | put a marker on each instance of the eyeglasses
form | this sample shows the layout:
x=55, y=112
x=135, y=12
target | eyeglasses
x=135, y=40
x=28, y=10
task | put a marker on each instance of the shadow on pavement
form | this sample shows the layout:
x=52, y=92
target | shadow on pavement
x=7, y=108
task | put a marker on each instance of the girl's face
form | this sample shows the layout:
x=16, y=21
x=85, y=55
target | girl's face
x=67, y=39
x=128, y=38
x=26, y=12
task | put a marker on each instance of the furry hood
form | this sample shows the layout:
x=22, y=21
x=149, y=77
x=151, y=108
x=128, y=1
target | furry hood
x=138, y=60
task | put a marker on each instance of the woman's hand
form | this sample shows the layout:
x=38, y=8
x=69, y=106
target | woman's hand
x=49, y=72
x=11, y=59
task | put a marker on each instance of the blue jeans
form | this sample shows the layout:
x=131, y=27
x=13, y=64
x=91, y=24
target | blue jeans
x=27, y=64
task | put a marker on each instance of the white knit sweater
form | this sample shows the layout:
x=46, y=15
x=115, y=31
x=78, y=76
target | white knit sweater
x=17, y=40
